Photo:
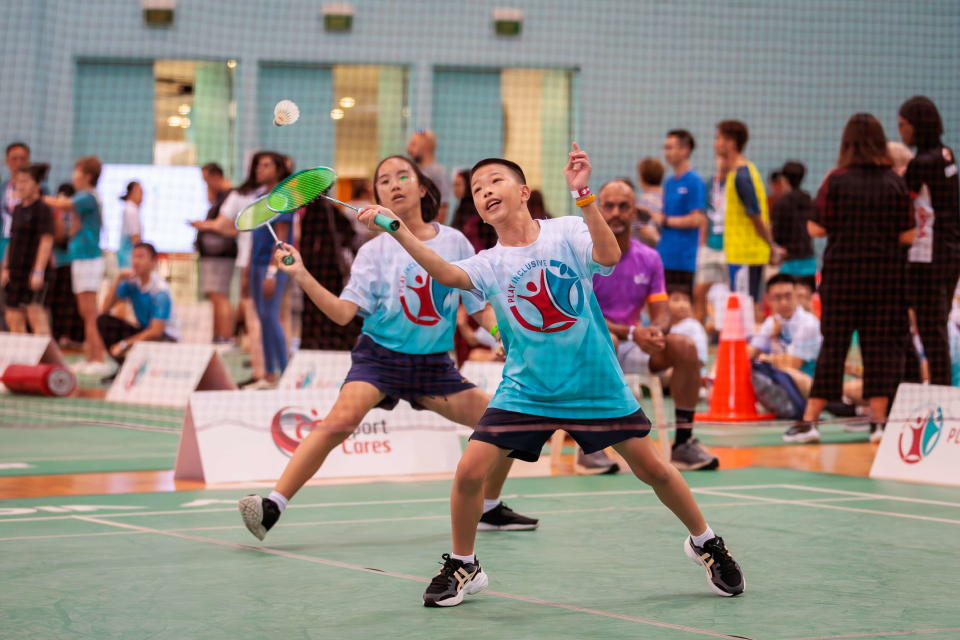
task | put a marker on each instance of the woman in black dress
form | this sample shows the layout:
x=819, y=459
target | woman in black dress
x=864, y=211
x=933, y=265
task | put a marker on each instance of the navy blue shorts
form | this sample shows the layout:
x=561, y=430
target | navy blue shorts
x=597, y=434
x=406, y=376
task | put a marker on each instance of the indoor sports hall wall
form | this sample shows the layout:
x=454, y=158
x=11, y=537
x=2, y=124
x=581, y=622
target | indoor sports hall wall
x=618, y=73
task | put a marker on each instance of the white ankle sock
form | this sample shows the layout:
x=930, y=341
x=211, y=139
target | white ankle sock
x=470, y=559
x=703, y=537
x=490, y=504
x=279, y=499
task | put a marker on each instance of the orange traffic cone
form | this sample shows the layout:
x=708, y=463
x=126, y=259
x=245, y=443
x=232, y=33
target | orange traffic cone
x=733, y=399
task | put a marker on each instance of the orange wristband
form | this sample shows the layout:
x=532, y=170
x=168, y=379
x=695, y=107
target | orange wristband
x=582, y=202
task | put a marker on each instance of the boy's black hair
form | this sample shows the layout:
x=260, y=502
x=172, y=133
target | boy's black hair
x=37, y=172
x=781, y=278
x=512, y=166
x=794, y=172
x=212, y=168
x=14, y=145
x=149, y=247
x=685, y=138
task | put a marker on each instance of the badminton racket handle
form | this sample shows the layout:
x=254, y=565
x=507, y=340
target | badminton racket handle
x=388, y=223
x=287, y=260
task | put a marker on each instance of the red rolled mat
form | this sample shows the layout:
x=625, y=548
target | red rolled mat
x=39, y=379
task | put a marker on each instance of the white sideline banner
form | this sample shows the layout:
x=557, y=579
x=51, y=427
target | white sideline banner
x=28, y=349
x=921, y=442
x=241, y=436
x=315, y=370
x=165, y=374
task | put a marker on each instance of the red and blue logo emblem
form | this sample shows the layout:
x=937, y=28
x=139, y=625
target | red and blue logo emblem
x=546, y=297
x=290, y=425
x=137, y=376
x=424, y=300
x=920, y=435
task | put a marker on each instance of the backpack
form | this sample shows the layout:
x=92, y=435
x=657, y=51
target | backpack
x=777, y=392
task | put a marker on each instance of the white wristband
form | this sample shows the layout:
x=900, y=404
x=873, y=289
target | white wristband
x=630, y=332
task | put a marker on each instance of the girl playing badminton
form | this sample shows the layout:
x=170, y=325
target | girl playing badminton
x=561, y=369
x=408, y=325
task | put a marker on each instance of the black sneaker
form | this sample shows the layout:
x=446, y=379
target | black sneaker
x=723, y=573
x=259, y=514
x=455, y=580
x=503, y=518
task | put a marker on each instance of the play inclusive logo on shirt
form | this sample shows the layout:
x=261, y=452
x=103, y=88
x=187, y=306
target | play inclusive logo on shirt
x=560, y=359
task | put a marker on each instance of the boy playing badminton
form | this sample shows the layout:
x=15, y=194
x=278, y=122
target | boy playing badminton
x=561, y=369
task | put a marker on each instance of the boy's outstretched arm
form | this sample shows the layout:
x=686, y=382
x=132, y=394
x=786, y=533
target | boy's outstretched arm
x=606, y=251
x=447, y=274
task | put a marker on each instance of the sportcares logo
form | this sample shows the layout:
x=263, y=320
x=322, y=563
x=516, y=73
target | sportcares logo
x=920, y=435
x=424, y=300
x=290, y=425
x=545, y=297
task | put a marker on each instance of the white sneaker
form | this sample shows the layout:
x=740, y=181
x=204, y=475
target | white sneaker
x=803, y=433
x=98, y=369
x=876, y=436
x=80, y=366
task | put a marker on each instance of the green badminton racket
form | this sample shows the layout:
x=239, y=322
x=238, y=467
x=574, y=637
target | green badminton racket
x=258, y=214
x=303, y=187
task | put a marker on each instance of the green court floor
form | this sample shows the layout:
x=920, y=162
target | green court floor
x=74, y=435
x=825, y=557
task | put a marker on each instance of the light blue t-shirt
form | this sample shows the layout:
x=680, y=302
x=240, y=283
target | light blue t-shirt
x=403, y=308
x=560, y=359
x=86, y=244
x=681, y=196
x=151, y=302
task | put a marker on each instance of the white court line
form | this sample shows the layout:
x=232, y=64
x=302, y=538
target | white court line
x=655, y=507
x=116, y=456
x=877, y=634
x=109, y=412
x=403, y=576
x=822, y=505
x=873, y=496
x=511, y=496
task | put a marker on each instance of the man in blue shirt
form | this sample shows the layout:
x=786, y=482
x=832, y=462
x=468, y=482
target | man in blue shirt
x=149, y=295
x=684, y=203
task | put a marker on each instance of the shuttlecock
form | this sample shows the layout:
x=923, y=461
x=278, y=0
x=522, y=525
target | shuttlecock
x=286, y=112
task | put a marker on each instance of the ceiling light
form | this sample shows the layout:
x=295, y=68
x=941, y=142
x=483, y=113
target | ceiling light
x=231, y=64
x=348, y=102
x=336, y=114
x=183, y=109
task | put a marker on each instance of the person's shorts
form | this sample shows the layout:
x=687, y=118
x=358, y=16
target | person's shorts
x=87, y=275
x=747, y=279
x=215, y=275
x=711, y=266
x=594, y=435
x=632, y=358
x=404, y=376
x=18, y=293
